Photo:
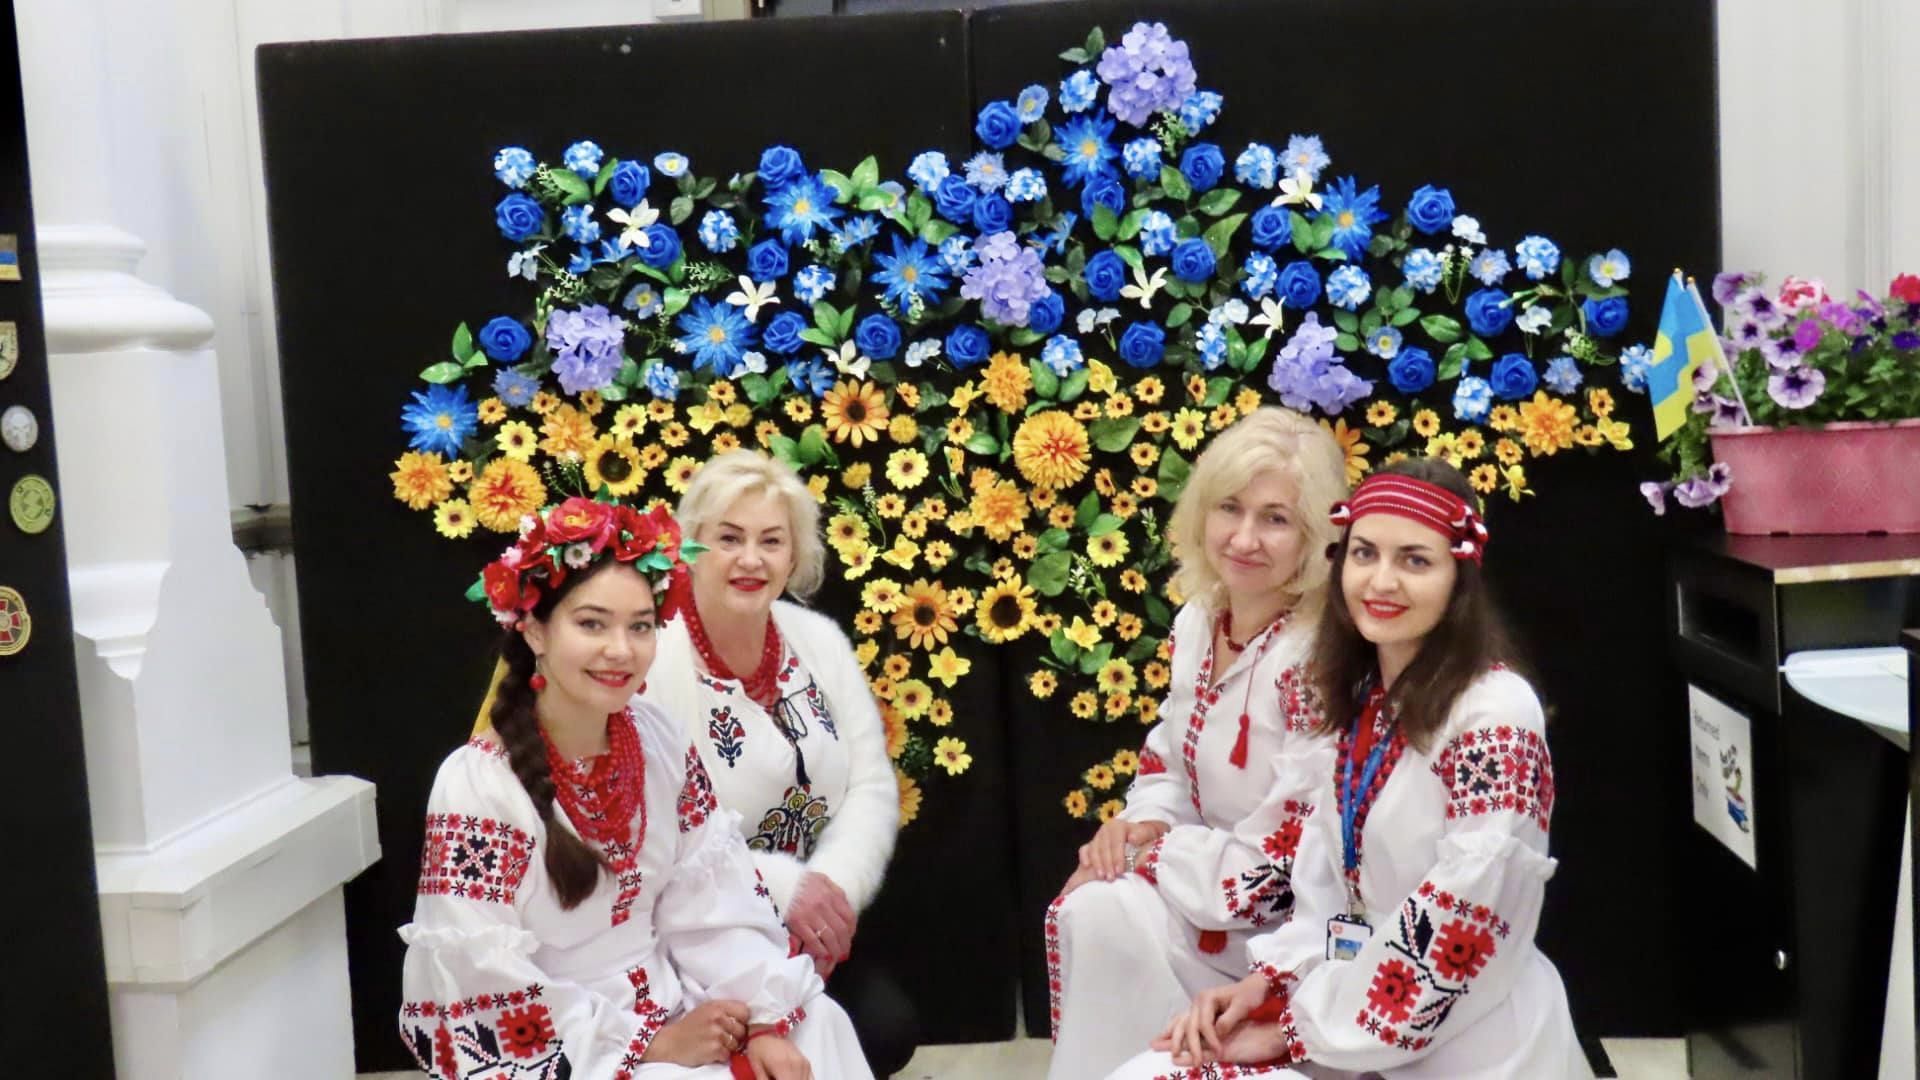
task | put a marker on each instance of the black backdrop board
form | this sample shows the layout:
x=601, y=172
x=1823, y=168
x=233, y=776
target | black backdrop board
x=57, y=996
x=380, y=210
x=1543, y=114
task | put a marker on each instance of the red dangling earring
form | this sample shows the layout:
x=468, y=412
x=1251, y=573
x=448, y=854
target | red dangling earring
x=537, y=683
x=643, y=687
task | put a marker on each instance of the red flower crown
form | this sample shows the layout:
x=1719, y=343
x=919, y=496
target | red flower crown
x=1417, y=500
x=568, y=538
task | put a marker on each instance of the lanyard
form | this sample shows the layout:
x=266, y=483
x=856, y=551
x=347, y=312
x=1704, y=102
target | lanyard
x=1351, y=796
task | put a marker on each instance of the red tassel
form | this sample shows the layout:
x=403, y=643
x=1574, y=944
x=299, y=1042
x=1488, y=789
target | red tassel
x=1239, y=755
x=537, y=683
x=740, y=1065
x=1213, y=942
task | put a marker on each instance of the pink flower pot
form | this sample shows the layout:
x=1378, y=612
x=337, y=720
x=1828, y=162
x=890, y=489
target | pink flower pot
x=1853, y=477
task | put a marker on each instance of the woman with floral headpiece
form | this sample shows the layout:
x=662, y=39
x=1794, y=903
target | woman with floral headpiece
x=1168, y=892
x=1422, y=861
x=585, y=908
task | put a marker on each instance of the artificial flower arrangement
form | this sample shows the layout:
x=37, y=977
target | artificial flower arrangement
x=996, y=372
x=1795, y=357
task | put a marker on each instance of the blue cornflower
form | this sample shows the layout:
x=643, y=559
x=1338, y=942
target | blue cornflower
x=1539, y=256
x=801, y=207
x=584, y=158
x=1025, y=186
x=855, y=232
x=1062, y=355
x=440, y=419
x=610, y=252
x=1490, y=266
x=1262, y=275
x=812, y=282
x=811, y=376
x=1635, y=363
x=1422, y=268
x=1157, y=233
x=1141, y=158
x=987, y=171
x=643, y=300
x=670, y=164
x=1077, y=91
x=577, y=222
x=1305, y=154
x=1384, y=342
x=928, y=169
x=716, y=335
x=956, y=254
x=514, y=165
x=1084, y=138
x=1563, y=375
x=1200, y=110
x=911, y=270
x=662, y=381
x=515, y=388
x=1257, y=166
x=1354, y=212
x=1031, y=105
x=1348, y=287
x=1212, y=343
x=718, y=231
x=1472, y=398
x=581, y=262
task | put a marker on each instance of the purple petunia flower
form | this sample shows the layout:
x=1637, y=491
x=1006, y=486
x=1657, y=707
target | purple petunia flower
x=1906, y=340
x=586, y=346
x=1149, y=72
x=1695, y=492
x=1781, y=354
x=1008, y=281
x=1796, y=388
x=1727, y=286
x=1762, y=308
x=1806, y=335
x=1656, y=495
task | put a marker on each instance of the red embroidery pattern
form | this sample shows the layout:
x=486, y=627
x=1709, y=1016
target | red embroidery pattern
x=1148, y=865
x=1299, y=701
x=488, y=747
x=1215, y=1070
x=1151, y=763
x=696, y=795
x=1266, y=891
x=1439, y=943
x=652, y=1015
x=1279, y=983
x=473, y=858
x=1204, y=697
x=511, y=1032
x=1491, y=770
x=1383, y=728
x=1054, y=985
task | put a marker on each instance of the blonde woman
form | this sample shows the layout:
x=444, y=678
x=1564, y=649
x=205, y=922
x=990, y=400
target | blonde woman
x=776, y=702
x=1167, y=893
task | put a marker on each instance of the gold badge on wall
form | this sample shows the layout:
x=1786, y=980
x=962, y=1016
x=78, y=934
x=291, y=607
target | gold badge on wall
x=31, y=504
x=16, y=626
x=9, y=347
x=9, y=257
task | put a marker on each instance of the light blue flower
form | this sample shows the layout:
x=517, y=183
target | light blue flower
x=855, y=232
x=670, y=164
x=716, y=335
x=440, y=419
x=812, y=283
x=801, y=207
x=718, y=231
x=987, y=171
x=1262, y=274
x=1055, y=241
x=1257, y=166
x=1141, y=158
x=514, y=387
x=1025, y=186
x=1211, y=341
x=1423, y=269
x=928, y=169
x=1157, y=233
x=1354, y=213
x=1062, y=355
x=577, y=222
x=1563, y=375
x=956, y=253
x=514, y=165
x=643, y=300
x=1471, y=399
x=911, y=270
x=894, y=192
x=584, y=157
x=1077, y=91
x=1608, y=269
x=1305, y=154
x=1384, y=342
x=1539, y=256
x=1031, y=105
x=1635, y=363
x=1200, y=110
x=1348, y=287
x=1490, y=266
x=581, y=262
x=1084, y=139
x=811, y=376
x=662, y=381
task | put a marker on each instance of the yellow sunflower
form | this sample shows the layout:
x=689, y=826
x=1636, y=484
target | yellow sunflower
x=516, y=440
x=1133, y=580
x=1062, y=516
x=1149, y=390
x=629, y=421
x=941, y=714
x=680, y=473
x=1005, y=610
x=1470, y=443
x=591, y=402
x=1155, y=423
x=1107, y=550
x=951, y=754
x=913, y=698
x=491, y=411
x=1076, y=803
x=1042, y=684
x=1051, y=449
x=1600, y=401
x=1116, y=675
x=1145, y=487
x=1484, y=478
x=674, y=434
x=1382, y=413
x=799, y=409
x=1426, y=422
x=1124, y=505
x=420, y=480
x=882, y=595
x=1353, y=445
x=543, y=403
x=720, y=393
x=1546, y=424
x=1100, y=777
x=897, y=666
x=614, y=464
x=1000, y=509
x=1247, y=400
x=845, y=529
x=1508, y=452
x=1504, y=418
x=890, y=505
x=868, y=622
x=504, y=492
x=725, y=442
x=652, y=456
x=959, y=430
x=1084, y=705
x=1110, y=810
x=855, y=561
x=1144, y=455
x=1025, y=546
x=937, y=553
x=1148, y=708
x=1129, y=627
x=659, y=410
x=854, y=412
x=1118, y=703
x=1189, y=427
x=1125, y=762
x=1157, y=674
x=1222, y=417
x=906, y=468
x=923, y=617
x=909, y=797
x=1046, y=623
x=914, y=524
x=1105, y=612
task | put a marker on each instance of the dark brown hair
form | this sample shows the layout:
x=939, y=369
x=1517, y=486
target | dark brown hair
x=572, y=865
x=1468, y=639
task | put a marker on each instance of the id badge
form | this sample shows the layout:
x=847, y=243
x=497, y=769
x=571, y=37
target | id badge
x=1346, y=935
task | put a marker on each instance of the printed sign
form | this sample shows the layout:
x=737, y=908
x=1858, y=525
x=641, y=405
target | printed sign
x=1722, y=772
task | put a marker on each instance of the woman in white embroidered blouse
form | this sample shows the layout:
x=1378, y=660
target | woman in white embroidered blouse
x=585, y=909
x=1167, y=893
x=784, y=720
x=1422, y=860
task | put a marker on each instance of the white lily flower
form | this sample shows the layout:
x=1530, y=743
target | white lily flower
x=1297, y=190
x=848, y=361
x=1144, y=288
x=756, y=362
x=525, y=264
x=1273, y=316
x=753, y=297
x=634, y=224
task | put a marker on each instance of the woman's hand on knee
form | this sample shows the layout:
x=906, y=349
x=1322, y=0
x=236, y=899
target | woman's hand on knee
x=1106, y=854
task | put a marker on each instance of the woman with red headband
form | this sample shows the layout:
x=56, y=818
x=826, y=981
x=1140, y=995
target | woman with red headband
x=1423, y=861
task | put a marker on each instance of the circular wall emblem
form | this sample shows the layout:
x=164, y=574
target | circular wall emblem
x=16, y=626
x=19, y=428
x=31, y=504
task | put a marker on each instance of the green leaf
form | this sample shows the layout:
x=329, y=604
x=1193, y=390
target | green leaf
x=983, y=443
x=826, y=316
x=842, y=186
x=1220, y=234
x=1131, y=256
x=866, y=174
x=818, y=337
x=1217, y=391
x=919, y=210
x=1477, y=349
x=478, y=359
x=1346, y=343
x=936, y=232
x=629, y=373
x=1096, y=42
x=1370, y=324
x=875, y=200
x=845, y=326
x=1178, y=317
x=1114, y=435
x=1172, y=475
x=1302, y=231
x=813, y=445
x=1088, y=509
x=759, y=388
x=1405, y=315
x=462, y=342
x=1453, y=361
x=1441, y=328
x=1129, y=225
x=606, y=174
x=1157, y=611
x=785, y=449
x=1323, y=231
x=680, y=209
x=1075, y=385
x=1045, y=383
x=674, y=300
x=1075, y=55
x=1176, y=185
x=1103, y=525
x=1219, y=201
x=1096, y=658
x=1347, y=320
x=573, y=184
x=1048, y=576
x=1104, y=223
x=1054, y=539
x=444, y=372
x=613, y=392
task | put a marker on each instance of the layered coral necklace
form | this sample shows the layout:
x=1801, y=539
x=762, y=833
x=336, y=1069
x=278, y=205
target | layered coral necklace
x=603, y=799
x=762, y=685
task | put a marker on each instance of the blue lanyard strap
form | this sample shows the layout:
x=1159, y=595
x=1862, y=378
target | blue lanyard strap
x=1350, y=795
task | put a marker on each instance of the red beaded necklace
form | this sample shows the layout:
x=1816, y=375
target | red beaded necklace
x=762, y=685
x=603, y=801
x=1226, y=629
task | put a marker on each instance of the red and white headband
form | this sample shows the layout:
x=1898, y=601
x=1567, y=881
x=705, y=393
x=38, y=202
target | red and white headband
x=1417, y=500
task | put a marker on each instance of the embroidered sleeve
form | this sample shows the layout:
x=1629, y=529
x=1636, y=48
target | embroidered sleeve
x=1238, y=879
x=696, y=802
x=1158, y=792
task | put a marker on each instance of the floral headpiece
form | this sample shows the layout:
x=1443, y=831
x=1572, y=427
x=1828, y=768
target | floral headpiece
x=568, y=538
x=1417, y=500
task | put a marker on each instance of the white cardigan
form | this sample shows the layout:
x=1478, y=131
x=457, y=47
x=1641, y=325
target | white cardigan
x=854, y=850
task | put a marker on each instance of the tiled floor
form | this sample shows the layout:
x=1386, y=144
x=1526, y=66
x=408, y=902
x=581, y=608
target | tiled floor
x=1026, y=1059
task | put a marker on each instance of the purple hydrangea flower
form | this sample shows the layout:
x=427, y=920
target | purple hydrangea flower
x=1008, y=281
x=1306, y=373
x=586, y=345
x=1796, y=388
x=1149, y=71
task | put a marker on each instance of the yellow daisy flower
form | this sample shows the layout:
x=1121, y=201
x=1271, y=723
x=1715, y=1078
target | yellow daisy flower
x=909, y=395
x=890, y=505
x=906, y=468
x=1061, y=516
x=1126, y=762
x=1504, y=418
x=453, y=519
x=1427, y=423
x=1129, y=627
x=1149, y=390
x=1189, y=427
x=652, y=456
x=799, y=409
x=1105, y=612
x=868, y=622
x=491, y=410
x=897, y=666
x=941, y=714
x=1157, y=674
x=1005, y=611
x=909, y=797
x=1133, y=580
x=1084, y=705
x=629, y=421
x=1124, y=505
x=1484, y=478
x=460, y=472
x=591, y=402
x=1600, y=401
x=1155, y=423
x=1222, y=417
x=1508, y=452
x=1046, y=623
x=1076, y=803
x=1108, y=550
x=680, y=473
x=951, y=754
x=1118, y=704
x=913, y=698
x=660, y=411
x=1470, y=443
x=1144, y=455
x=1119, y=405
x=882, y=595
x=817, y=487
x=720, y=393
x=1353, y=444
x=674, y=434
x=516, y=440
x=937, y=553
x=1100, y=777
x=543, y=403
x=1382, y=413
x=1086, y=409
x=1247, y=400
x=420, y=480
x=1145, y=487
x=959, y=430
x=914, y=524
x=1042, y=684
x=1025, y=546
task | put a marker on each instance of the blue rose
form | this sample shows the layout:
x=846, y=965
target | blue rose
x=1605, y=318
x=1513, y=377
x=992, y=214
x=1272, y=226
x=1044, y=315
x=954, y=199
x=1299, y=284
x=1488, y=312
x=1193, y=260
x=767, y=260
x=780, y=166
x=966, y=345
x=877, y=336
x=1103, y=191
x=519, y=217
x=998, y=125
x=1106, y=273
x=1412, y=370
x=663, y=246
x=1143, y=343
x=505, y=340
x=1202, y=165
x=1430, y=209
x=782, y=335
x=628, y=183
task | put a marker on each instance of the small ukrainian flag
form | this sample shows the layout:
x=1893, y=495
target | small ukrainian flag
x=1686, y=338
